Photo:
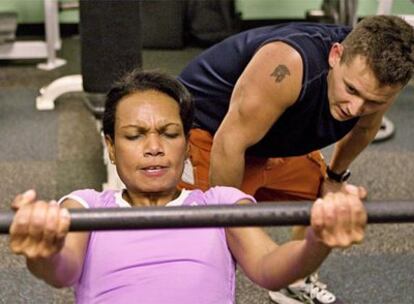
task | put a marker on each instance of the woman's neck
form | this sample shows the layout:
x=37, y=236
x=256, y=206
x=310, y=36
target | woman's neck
x=147, y=199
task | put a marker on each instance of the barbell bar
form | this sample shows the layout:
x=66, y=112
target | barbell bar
x=261, y=214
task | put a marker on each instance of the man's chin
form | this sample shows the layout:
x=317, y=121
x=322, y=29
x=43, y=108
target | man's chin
x=337, y=115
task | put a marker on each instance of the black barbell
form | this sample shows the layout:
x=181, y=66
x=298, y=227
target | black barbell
x=261, y=214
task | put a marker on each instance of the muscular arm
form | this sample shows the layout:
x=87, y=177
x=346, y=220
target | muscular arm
x=62, y=269
x=270, y=83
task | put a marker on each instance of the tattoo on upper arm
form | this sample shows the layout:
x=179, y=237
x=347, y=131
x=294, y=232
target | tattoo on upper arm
x=280, y=72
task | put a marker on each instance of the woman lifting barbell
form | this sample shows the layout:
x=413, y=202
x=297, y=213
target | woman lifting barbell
x=146, y=123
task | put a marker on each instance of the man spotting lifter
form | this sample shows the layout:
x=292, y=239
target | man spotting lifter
x=269, y=98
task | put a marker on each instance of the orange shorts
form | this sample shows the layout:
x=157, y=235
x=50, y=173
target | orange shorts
x=267, y=179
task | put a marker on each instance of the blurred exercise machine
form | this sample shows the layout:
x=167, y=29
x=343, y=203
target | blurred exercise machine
x=335, y=11
x=10, y=48
x=106, y=54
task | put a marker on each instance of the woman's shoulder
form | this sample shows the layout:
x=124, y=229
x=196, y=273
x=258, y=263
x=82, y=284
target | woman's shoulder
x=218, y=195
x=91, y=198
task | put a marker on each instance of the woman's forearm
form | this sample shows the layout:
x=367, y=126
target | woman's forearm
x=300, y=259
x=60, y=270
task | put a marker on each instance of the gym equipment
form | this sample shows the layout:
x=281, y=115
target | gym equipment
x=385, y=131
x=261, y=214
x=163, y=23
x=111, y=44
x=110, y=33
x=11, y=49
x=335, y=11
x=8, y=26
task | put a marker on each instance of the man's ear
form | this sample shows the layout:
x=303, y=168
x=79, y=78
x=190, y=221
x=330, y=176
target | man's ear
x=335, y=54
x=110, y=145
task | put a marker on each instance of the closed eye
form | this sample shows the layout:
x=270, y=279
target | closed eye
x=132, y=137
x=171, y=135
x=351, y=90
x=375, y=102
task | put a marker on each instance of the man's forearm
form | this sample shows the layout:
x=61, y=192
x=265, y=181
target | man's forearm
x=226, y=167
x=349, y=147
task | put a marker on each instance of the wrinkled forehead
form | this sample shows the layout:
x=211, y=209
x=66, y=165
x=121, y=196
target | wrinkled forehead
x=148, y=108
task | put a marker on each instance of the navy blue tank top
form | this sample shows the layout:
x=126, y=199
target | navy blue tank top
x=305, y=126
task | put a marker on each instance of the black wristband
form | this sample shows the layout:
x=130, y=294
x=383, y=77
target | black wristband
x=340, y=178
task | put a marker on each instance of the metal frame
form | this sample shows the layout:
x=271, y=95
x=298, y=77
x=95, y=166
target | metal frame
x=60, y=86
x=39, y=49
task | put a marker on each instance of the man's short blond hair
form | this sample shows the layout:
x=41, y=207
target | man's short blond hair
x=387, y=43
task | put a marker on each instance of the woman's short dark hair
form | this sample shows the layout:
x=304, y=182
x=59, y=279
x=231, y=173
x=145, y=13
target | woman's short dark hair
x=387, y=43
x=138, y=81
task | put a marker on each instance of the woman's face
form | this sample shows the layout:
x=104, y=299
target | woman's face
x=150, y=146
